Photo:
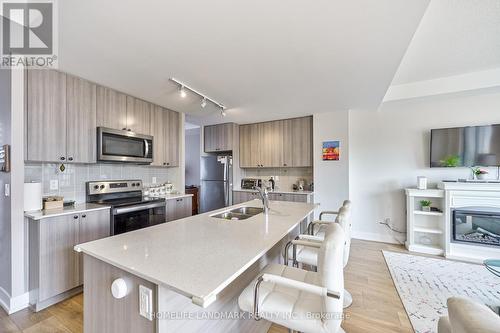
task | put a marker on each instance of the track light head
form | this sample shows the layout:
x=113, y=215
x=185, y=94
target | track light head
x=183, y=92
x=204, y=102
x=222, y=112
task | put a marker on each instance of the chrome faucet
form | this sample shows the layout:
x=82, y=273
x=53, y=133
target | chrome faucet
x=264, y=196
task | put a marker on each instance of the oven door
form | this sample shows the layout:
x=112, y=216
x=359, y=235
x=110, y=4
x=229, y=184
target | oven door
x=124, y=146
x=136, y=217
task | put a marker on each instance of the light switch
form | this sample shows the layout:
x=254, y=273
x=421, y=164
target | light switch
x=54, y=184
x=7, y=190
x=153, y=180
x=146, y=302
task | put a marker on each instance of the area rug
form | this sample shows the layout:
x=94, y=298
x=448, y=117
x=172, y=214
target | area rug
x=424, y=284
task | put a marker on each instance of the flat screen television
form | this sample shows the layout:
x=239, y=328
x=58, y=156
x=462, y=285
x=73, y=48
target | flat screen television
x=465, y=146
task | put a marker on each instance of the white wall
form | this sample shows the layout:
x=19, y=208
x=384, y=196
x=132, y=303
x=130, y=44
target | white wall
x=193, y=154
x=331, y=178
x=389, y=148
x=5, y=202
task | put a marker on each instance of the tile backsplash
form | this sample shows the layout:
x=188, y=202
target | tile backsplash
x=71, y=182
x=285, y=178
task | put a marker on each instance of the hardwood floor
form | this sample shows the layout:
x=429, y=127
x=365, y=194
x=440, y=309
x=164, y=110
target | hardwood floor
x=376, y=307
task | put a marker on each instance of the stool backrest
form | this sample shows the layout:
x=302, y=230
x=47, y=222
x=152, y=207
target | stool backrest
x=331, y=272
x=344, y=219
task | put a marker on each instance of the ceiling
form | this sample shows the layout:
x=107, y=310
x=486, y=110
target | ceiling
x=455, y=37
x=263, y=59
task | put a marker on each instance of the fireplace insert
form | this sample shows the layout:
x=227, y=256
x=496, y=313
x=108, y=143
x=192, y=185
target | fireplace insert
x=478, y=225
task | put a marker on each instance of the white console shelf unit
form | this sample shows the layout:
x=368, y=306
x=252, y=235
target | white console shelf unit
x=425, y=230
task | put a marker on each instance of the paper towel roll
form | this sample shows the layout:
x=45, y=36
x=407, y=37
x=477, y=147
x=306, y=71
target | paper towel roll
x=32, y=196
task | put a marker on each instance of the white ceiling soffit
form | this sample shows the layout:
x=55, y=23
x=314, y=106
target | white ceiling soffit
x=455, y=37
x=264, y=59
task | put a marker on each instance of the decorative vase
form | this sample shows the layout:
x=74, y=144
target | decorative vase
x=426, y=208
x=481, y=176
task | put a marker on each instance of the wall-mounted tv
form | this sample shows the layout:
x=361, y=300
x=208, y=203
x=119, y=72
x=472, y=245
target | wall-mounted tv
x=465, y=146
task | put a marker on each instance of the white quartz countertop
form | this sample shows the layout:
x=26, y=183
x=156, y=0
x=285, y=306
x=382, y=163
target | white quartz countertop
x=276, y=191
x=76, y=209
x=200, y=255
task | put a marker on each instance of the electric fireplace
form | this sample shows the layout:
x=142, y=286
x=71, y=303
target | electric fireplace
x=477, y=225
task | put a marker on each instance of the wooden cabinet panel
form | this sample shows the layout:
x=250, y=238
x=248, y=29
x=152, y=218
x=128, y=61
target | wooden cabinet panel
x=219, y=137
x=158, y=121
x=179, y=208
x=172, y=138
x=58, y=262
x=81, y=120
x=245, y=146
x=139, y=115
x=244, y=196
x=46, y=116
x=302, y=142
x=282, y=143
x=111, y=108
x=92, y=226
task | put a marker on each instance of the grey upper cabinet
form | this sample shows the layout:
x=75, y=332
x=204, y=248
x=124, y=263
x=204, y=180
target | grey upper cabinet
x=111, y=108
x=172, y=132
x=165, y=126
x=139, y=115
x=297, y=142
x=159, y=118
x=281, y=143
x=179, y=208
x=46, y=116
x=218, y=138
x=81, y=120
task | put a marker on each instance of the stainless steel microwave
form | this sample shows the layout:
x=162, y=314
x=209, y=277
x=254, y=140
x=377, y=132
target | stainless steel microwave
x=123, y=146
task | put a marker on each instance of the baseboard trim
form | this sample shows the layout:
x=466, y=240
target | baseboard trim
x=13, y=304
x=369, y=236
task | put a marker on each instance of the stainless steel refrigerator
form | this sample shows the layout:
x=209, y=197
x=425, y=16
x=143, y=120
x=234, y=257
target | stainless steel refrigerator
x=216, y=182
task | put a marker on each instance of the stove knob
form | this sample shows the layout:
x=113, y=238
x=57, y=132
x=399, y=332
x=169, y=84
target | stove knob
x=137, y=184
x=96, y=187
x=102, y=187
x=133, y=184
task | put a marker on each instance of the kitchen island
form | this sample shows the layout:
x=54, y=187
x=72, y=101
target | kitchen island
x=195, y=269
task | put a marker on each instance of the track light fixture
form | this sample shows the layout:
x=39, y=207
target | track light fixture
x=183, y=91
x=222, y=112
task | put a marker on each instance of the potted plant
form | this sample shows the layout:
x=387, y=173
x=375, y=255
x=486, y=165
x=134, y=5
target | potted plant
x=450, y=161
x=426, y=205
x=479, y=173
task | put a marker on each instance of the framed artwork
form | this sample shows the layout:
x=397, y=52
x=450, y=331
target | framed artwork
x=331, y=150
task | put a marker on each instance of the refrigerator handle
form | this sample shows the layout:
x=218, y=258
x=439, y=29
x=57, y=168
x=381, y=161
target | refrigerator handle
x=226, y=187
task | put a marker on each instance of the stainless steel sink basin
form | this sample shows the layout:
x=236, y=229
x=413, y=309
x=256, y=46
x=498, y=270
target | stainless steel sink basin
x=240, y=213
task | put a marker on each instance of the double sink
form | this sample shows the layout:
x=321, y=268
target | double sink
x=240, y=213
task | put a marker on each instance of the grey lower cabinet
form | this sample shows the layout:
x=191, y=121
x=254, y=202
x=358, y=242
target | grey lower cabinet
x=179, y=208
x=244, y=196
x=55, y=269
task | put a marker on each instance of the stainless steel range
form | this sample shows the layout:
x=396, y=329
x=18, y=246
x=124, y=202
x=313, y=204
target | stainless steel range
x=129, y=209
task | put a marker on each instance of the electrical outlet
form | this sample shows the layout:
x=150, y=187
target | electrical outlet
x=153, y=180
x=54, y=184
x=7, y=190
x=146, y=302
